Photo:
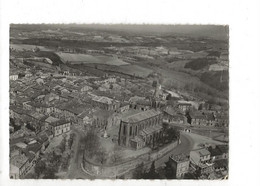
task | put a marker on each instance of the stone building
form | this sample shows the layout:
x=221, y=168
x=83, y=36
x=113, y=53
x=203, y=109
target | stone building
x=184, y=106
x=106, y=103
x=201, y=118
x=19, y=166
x=60, y=127
x=201, y=161
x=141, y=129
x=172, y=115
x=180, y=164
x=196, y=118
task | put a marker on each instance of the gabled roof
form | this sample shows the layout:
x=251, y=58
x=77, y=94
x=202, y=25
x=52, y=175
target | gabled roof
x=141, y=116
x=84, y=114
x=51, y=119
x=35, y=147
x=103, y=113
x=137, y=139
x=151, y=130
x=202, y=152
x=197, y=115
x=58, y=123
x=180, y=157
x=103, y=99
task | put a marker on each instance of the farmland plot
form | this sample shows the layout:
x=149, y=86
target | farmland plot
x=89, y=59
x=22, y=47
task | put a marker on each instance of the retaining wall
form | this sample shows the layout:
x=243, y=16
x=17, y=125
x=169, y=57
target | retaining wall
x=112, y=171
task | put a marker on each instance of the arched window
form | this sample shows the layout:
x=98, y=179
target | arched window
x=136, y=130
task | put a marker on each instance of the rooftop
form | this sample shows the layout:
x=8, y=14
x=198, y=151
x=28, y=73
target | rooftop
x=202, y=152
x=141, y=116
x=35, y=115
x=35, y=147
x=197, y=115
x=103, y=99
x=60, y=122
x=84, y=114
x=137, y=139
x=51, y=119
x=102, y=113
x=180, y=157
x=171, y=111
x=19, y=160
x=151, y=130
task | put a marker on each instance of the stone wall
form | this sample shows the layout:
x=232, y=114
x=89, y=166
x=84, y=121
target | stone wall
x=106, y=171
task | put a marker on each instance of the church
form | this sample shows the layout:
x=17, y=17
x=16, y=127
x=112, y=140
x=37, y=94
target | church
x=143, y=128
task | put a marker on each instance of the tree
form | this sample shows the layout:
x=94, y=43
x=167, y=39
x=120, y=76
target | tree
x=39, y=168
x=139, y=171
x=49, y=173
x=101, y=156
x=91, y=143
x=12, y=122
x=111, y=86
x=169, y=172
x=70, y=141
x=152, y=174
x=116, y=156
x=165, y=126
x=62, y=145
x=154, y=83
x=170, y=134
x=65, y=161
x=168, y=97
x=118, y=79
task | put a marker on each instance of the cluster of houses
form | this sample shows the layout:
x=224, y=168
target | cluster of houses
x=25, y=151
x=188, y=113
x=205, y=163
x=48, y=104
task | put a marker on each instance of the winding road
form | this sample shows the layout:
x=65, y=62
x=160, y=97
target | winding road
x=75, y=171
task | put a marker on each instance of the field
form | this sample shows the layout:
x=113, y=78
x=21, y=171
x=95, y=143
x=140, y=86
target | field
x=132, y=70
x=22, y=47
x=89, y=59
x=177, y=64
x=135, y=70
x=199, y=63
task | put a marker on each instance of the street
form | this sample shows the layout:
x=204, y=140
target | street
x=75, y=171
x=189, y=141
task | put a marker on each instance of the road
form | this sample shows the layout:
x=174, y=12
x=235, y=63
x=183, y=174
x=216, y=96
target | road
x=75, y=171
x=188, y=142
x=184, y=147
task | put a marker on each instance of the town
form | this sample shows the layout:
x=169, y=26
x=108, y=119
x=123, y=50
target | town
x=89, y=103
